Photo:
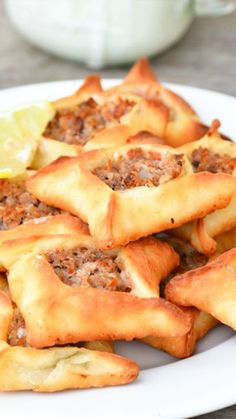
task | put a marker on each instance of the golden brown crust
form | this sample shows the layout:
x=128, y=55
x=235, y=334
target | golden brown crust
x=226, y=241
x=149, y=260
x=201, y=233
x=184, y=125
x=210, y=288
x=90, y=87
x=157, y=110
x=184, y=346
x=100, y=345
x=49, y=150
x=141, y=72
x=6, y=314
x=88, y=313
x=57, y=224
x=147, y=115
x=56, y=369
x=117, y=217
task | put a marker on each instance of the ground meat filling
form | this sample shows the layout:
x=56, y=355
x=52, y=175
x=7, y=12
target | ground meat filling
x=17, y=205
x=203, y=159
x=17, y=330
x=89, y=268
x=77, y=125
x=140, y=168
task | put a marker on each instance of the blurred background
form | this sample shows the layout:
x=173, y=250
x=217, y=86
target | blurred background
x=81, y=37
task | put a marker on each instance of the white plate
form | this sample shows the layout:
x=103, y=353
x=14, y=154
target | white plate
x=166, y=388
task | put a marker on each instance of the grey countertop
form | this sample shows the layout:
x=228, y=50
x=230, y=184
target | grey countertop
x=206, y=57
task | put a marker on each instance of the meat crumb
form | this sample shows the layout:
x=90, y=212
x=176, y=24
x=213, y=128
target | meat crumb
x=140, y=168
x=203, y=159
x=89, y=268
x=78, y=124
x=17, y=205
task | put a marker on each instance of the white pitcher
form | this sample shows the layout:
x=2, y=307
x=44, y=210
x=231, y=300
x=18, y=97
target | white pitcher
x=107, y=32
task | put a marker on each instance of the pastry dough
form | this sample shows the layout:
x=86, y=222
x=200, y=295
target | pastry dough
x=184, y=346
x=96, y=306
x=217, y=155
x=210, y=288
x=226, y=241
x=183, y=123
x=50, y=149
x=201, y=322
x=147, y=115
x=91, y=87
x=116, y=217
x=21, y=215
x=79, y=117
x=56, y=369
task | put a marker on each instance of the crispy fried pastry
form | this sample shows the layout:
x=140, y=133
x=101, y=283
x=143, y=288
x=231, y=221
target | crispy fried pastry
x=184, y=346
x=147, y=115
x=99, y=293
x=55, y=369
x=78, y=118
x=54, y=142
x=201, y=322
x=22, y=215
x=210, y=288
x=214, y=155
x=132, y=191
x=226, y=241
x=183, y=123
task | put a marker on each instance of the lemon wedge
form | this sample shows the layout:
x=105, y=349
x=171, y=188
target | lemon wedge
x=20, y=132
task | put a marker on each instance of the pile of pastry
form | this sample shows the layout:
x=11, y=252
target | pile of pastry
x=121, y=228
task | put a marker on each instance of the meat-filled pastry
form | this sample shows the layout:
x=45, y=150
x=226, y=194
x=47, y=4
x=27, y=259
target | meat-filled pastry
x=183, y=124
x=210, y=288
x=130, y=192
x=68, y=290
x=201, y=322
x=87, y=120
x=55, y=369
x=22, y=215
x=61, y=135
x=215, y=155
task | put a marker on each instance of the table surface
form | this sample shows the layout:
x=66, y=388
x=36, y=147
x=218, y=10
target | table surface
x=205, y=57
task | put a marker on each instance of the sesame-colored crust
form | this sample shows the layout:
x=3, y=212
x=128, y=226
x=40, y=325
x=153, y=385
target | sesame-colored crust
x=201, y=233
x=184, y=346
x=56, y=369
x=210, y=288
x=91, y=313
x=117, y=217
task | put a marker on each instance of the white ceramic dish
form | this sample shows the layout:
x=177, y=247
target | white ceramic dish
x=166, y=388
